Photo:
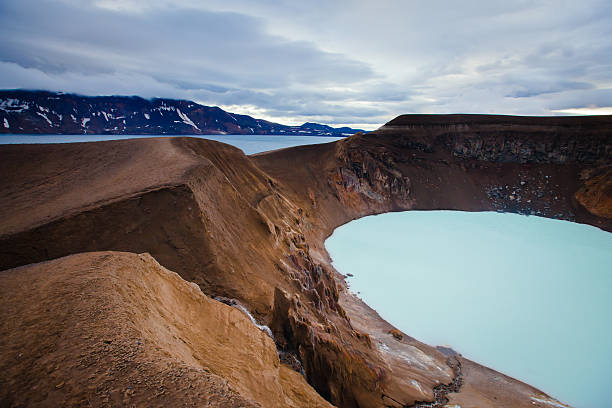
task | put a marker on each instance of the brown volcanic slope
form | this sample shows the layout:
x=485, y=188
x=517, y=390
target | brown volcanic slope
x=115, y=328
x=252, y=229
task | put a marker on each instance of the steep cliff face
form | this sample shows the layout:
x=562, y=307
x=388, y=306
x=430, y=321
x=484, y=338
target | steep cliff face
x=250, y=231
x=507, y=139
x=370, y=177
x=540, y=166
x=478, y=163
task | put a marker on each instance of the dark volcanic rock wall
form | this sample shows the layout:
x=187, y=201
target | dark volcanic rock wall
x=538, y=166
x=508, y=139
x=369, y=177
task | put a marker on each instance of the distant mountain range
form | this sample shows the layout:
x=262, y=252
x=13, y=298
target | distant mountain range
x=43, y=112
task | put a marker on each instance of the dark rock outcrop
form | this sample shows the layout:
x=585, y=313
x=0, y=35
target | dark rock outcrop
x=507, y=139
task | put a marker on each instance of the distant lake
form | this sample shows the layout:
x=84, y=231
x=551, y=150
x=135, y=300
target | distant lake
x=248, y=143
x=528, y=296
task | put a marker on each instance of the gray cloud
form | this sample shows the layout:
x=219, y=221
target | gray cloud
x=338, y=62
x=527, y=89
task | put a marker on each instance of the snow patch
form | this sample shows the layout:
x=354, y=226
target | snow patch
x=84, y=121
x=186, y=119
x=261, y=327
x=45, y=117
x=383, y=347
x=147, y=117
x=13, y=105
x=6, y=124
x=416, y=385
x=166, y=107
x=73, y=118
x=105, y=116
x=239, y=306
x=413, y=356
x=549, y=401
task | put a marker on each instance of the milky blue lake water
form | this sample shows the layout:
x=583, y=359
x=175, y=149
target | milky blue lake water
x=528, y=296
x=248, y=143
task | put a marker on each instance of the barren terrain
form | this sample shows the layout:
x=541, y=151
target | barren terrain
x=244, y=235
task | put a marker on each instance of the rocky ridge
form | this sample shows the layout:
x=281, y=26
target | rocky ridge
x=137, y=335
x=45, y=112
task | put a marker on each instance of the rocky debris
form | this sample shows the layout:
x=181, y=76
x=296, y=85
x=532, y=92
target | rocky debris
x=441, y=391
x=291, y=359
x=396, y=334
x=510, y=199
x=529, y=195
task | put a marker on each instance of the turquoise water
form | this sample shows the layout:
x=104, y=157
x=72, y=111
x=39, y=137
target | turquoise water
x=528, y=296
x=248, y=143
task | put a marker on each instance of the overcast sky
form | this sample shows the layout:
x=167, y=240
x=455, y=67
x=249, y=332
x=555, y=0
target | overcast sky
x=359, y=62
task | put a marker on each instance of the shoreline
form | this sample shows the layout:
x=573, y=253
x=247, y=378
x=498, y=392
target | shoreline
x=405, y=253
